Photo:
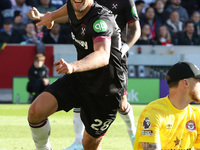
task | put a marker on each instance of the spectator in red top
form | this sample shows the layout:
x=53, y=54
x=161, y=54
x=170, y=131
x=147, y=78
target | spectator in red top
x=163, y=37
x=152, y=21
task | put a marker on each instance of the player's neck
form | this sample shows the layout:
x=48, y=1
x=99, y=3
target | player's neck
x=178, y=100
x=81, y=14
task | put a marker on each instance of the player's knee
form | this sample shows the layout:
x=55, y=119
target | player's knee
x=34, y=115
x=91, y=143
x=124, y=104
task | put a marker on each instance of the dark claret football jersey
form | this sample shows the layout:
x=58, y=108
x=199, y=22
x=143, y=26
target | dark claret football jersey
x=124, y=10
x=98, y=22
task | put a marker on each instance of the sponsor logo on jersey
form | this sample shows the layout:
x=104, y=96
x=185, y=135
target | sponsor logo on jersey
x=134, y=12
x=190, y=125
x=100, y=26
x=147, y=132
x=146, y=123
x=84, y=44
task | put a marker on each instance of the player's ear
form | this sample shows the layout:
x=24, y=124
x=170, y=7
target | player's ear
x=185, y=83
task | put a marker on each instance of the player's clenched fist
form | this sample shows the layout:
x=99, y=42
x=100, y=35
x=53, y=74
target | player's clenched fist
x=63, y=67
x=34, y=14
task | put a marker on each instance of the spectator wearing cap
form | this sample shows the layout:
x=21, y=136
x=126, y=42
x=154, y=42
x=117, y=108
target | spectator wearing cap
x=17, y=23
x=24, y=9
x=8, y=34
x=38, y=76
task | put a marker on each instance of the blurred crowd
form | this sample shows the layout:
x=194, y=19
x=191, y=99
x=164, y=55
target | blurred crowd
x=167, y=22
x=16, y=27
x=163, y=22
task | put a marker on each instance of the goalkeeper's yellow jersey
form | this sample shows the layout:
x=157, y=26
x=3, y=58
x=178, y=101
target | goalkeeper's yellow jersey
x=160, y=122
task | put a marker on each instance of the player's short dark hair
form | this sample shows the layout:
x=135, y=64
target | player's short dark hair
x=39, y=57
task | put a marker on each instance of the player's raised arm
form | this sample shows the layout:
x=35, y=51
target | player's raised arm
x=134, y=32
x=34, y=14
x=49, y=18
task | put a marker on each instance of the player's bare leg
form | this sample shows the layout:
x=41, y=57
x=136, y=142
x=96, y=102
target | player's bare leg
x=126, y=113
x=91, y=143
x=42, y=107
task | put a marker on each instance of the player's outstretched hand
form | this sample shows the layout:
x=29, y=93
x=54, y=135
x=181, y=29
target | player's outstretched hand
x=34, y=14
x=63, y=67
x=46, y=20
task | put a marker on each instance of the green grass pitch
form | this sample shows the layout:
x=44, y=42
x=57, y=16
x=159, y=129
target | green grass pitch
x=16, y=135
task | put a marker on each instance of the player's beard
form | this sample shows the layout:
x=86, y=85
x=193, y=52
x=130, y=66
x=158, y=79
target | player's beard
x=79, y=8
x=195, y=96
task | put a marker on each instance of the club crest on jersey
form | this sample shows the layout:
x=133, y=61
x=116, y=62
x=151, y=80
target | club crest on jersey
x=100, y=26
x=146, y=123
x=134, y=11
x=190, y=125
x=83, y=29
x=114, y=5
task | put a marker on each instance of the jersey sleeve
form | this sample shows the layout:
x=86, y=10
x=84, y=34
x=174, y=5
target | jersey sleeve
x=130, y=11
x=148, y=126
x=101, y=27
